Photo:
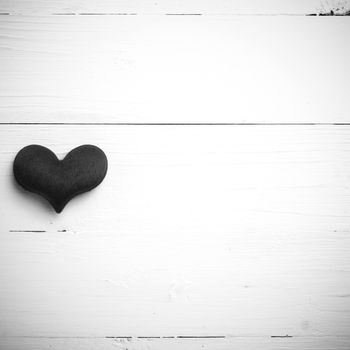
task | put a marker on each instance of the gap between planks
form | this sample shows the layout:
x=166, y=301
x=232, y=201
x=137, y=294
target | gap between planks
x=143, y=337
x=331, y=13
x=182, y=124
x=33, y=231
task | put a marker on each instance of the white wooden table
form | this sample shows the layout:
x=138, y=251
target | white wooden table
x=224, y=219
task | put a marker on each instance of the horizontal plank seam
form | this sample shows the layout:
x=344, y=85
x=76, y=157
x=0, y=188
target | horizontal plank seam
x=177, y=337
x=347, y=13
x=178, y=124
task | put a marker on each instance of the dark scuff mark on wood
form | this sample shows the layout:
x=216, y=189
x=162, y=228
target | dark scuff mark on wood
x=34, y=231
x=341, y=296
x=94, y=14
x=336, y=12
x=123, y=337
x=170, y=337
x=151, y=337
x=281, y=336
x=201, y=337
x=106, y=14
x=332, y=13
x=183, y=14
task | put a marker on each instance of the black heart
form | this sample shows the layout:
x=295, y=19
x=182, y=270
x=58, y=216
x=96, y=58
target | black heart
x=38, y=170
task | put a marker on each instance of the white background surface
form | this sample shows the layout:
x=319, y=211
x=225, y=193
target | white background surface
x=162, y=69
x=234, y=231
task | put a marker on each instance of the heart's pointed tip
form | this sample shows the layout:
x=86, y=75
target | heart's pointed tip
x=58, y=209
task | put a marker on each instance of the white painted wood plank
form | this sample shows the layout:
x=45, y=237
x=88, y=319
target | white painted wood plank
x=178, y=6
x=244, y=343
x=174, y=69
x=211, y=230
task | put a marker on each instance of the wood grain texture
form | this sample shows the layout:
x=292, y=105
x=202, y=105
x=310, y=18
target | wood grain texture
x=237, y=235
x=251, y=343
x=142, y=7
x=174, y=69
x=196, y=230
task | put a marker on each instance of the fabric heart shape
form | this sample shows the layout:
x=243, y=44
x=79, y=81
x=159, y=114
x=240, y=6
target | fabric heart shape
x=38, y=170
